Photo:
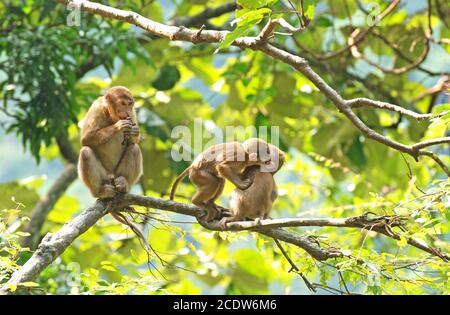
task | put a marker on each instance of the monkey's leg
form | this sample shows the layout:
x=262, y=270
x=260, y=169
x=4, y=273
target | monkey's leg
x=94, y=175
x=219, y=191
x=130, y=168
x=208, y=185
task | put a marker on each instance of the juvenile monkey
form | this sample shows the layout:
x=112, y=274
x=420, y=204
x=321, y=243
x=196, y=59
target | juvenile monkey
x=224, y=161
x=110, y=160
x=256, y=201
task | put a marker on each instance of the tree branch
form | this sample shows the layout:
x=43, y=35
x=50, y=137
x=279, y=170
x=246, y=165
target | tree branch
x=412, y=64
x=53, y=245
x=359, y=34
x=209, y=36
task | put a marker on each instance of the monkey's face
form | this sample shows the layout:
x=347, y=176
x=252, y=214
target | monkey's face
x=120, y=103
x=268, y=156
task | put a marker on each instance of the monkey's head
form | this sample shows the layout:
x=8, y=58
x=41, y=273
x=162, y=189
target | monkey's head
x=265, y=154
x=119, y=103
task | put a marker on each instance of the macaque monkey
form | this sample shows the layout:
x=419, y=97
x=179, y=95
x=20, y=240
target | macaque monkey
x=110, y=160
x=226, y=161
x=255, y=202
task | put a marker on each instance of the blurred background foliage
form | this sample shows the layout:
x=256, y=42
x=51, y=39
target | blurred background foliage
x=51, y=72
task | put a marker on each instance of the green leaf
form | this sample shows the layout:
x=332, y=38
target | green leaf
x=252, y=262
x=29, y=284
x=251, y=4
x=236, y=33
x=166, y=78
x=323, y=22
x=310, y=11
x=356, y=153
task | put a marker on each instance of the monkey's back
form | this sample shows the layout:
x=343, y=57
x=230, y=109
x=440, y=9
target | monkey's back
x=232, y=152
x=257, y=200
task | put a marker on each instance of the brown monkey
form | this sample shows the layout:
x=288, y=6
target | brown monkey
x=110, y=160
x=255, y=202
x=272, y=157
x=219, y=162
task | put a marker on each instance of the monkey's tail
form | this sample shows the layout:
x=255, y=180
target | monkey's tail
x=177, y=181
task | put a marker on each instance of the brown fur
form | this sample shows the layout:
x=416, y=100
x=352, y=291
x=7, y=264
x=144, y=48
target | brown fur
x=110, y=160
x=219, y=162
x=255, y=202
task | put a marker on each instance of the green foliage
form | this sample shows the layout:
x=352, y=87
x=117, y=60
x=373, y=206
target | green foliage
x=10, y=250
x=50, y=73
x=42, y=59
x=251, y=14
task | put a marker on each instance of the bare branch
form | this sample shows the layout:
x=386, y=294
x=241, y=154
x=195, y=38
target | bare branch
x=359, y=34
x=413, y=64
x=54, y=245
x=437, y=160
x=361, y=102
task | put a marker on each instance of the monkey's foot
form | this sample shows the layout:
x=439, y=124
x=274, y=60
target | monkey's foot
x=221, y=210
x=224, y=221
x=106, y=191
x=121, y=184
x=211, y=214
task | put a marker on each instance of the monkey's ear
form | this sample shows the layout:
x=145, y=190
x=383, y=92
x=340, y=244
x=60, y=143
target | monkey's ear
x=253, y=157
x=108, y=97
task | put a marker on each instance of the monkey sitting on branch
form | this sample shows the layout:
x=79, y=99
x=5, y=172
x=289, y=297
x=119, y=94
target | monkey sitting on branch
x=110, y=160
x=256, y=201
x=227, y=161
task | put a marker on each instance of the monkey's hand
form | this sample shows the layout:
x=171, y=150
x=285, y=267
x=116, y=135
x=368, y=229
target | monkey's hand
x=245, y=184
x=133, y=134
x=124, y=125
x=223, y=223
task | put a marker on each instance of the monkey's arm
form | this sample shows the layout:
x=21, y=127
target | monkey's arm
x=250, y=172
x=228, y=172
x=97, y=137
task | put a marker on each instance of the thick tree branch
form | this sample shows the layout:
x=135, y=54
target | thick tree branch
x=255, y=43
x=54, y=245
